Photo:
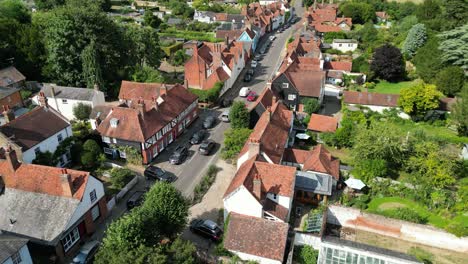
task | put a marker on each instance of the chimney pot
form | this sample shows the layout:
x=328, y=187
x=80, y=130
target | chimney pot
x=42, y=99
x=8, y=114
x=257, y=187
x=254, y=148
x=67, y=187
x=11, y=158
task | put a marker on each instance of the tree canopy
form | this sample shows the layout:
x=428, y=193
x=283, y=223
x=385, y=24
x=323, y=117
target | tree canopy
x=239, y=115
x=387, y=63
x=15, y=9
x=82, y=111
x=460, y=112
x=428, y=60
x=454, y=46
x=417, y=99
x=414, y=40
x=359, y=12
x=450, y=80
x=234, y=140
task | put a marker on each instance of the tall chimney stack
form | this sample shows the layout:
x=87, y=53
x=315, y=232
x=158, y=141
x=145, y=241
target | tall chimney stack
x=268, y=110
x=253, y=148
x=11, y=158
x=42, y=99
x=8, y=114
x=67, y=185
x=141, y=107
x=155, y=103
x=257, y=187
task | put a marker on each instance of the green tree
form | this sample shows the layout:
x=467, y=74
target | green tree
x=361, y=64
x=455, y=13
x=305, y=254
x=311, y=105
x=234, y=140
x=429, y=9
x=15, y=9
x=359, y=12
x=330, y=36
x=183, y=252
x=92, y=72
x=48, y=4
x=82, y=111
x=387, y=63
x=147, y=74
x=145, y=48
x=414, y=40
x=179, y=57
x=367, y=170
x=454, y=48
x=450, y=80
x=419, y=98
x=90, y=156
x=44, y=158
x=460, y=112
x=239, y=115
x=428, y=60
x=368, y=34
x=119, y=177
x=151, y=20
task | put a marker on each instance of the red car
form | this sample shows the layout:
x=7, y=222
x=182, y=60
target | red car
x=251, y=96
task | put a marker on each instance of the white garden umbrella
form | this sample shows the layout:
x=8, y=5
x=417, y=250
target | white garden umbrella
x=302, y=136
x=355, y=183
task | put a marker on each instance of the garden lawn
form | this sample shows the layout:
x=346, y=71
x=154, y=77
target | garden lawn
x=439, y=132
x=380, y=205
x=390, y=88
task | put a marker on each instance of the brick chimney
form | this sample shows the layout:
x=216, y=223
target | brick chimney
x=226, y=40
x=11, y=158
x=257, y=187
x=8, y=114
x=216, y=56
x=141, y=107
x=274, y=100
x=268, y=110
x=155, y=103
x=67, y=185
x=254, y=148
x=186, y=83
x=42, y=99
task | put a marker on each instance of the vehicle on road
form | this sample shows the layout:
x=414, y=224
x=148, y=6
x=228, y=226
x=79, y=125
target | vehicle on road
x=258, y=57
x=250, y=71
x=244, y=91
x=206, y=147
x=252, y=96
x=209, y=122
x=179, y=155
x=156, y=173
x=135, y=200
x=263, y=49
x=225, y=116
x=86, y=253
x=206, y=228
x=198, y=137
x=272, y=38
x=254, y=64
x=247, y=77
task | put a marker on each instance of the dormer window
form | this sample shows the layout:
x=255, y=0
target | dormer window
x=114, y=122
x=285, y=85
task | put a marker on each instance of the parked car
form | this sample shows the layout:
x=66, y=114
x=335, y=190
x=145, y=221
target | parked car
x=253, y=64
x=179, y=155
x=135, y=200
x=258, y=57
x=251, y=71
x=206, y=147
x=252, y=96
x=247, y=77
x=86, y=253
x=225, y=116
x=206, y=228
x=272, y=38
x=198, y=137
x=156, y=173
x=244, y=91
x=209, y=122
x=263, y=50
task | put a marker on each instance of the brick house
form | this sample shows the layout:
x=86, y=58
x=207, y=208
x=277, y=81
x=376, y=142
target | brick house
x=150, y=117
x=216, y=62
x=323, y=19
x=11, y=97
x=54, y=208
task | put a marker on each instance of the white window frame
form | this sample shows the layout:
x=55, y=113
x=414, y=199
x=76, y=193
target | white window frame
x=95, y=212
x=291, y=97
x=16, y=258
x=64, y=101
x=108, y=151
x=93, y=196
x=70, y=239
x=122, y=154
x=114, y=140
x=59, y=138
x=106, y=139
x=285, y=85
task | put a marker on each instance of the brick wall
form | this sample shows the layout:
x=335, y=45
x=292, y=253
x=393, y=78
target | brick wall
x=13, y=100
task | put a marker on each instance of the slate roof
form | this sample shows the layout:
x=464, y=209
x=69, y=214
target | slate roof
x=36, y=215
x=5, y=91
x=256, y=236
x=322, y=123
x=314, y=182
x=365, y=98
x=9, y=245
x=10, y=75
x=34, y=127
x=74, y=93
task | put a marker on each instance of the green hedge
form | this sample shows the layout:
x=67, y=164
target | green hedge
x=202, y=187
x=208, y=96
x=190, y=35
x=169, y=50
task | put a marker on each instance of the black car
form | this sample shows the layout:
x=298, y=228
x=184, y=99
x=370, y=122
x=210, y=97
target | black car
x=206, y=147
x=198, y=137
x=206, y=228
x=247, y=77
x=135, y=200
x=209, y=122
x=250, y=71
x=156, y=173
x=180, y=153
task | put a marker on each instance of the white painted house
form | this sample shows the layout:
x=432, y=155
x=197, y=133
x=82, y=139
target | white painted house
x=54, y=207
x=14, y=250
x=64, y=99
x=40, y=130
x=376, y=102
x=345, y=45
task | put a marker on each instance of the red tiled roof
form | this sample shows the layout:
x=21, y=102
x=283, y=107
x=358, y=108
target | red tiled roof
x=135, y=90
x=134, y=126
x=272, y=132
x=365, y=98
x=307, y=83
x=322, y=123
x=324, y=15
x=256, y=236
x=43, y=179
x=338, y=65
x=277, y=179
x=34, y=127
x=231, y=34
x=265, y=99
x=275, y=209
x=319, y=159
x=326, y=28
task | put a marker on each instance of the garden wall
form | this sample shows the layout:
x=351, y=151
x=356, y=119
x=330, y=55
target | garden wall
x=416, y=233
x=127, y=188
x=302, y=238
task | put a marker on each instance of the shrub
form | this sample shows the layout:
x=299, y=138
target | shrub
x=25, y=94
x=208, y=96
x=458, y=229
x=239, y=115
x=421, y=255
x=132, y=154
x=169, y=50
x=234, y=140
x=311, y=105
x=82, y=111
x=90, y=157
x=406, y=214
x=204, y=185
x=305, y=254
x=120, y=177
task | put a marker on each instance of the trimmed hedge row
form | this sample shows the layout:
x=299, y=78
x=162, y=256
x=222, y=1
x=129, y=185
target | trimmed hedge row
x=190, y=35
x=169, y=50
x=208, y=96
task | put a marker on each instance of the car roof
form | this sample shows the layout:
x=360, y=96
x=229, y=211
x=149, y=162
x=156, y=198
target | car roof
x=154, y=168
x=210, y=224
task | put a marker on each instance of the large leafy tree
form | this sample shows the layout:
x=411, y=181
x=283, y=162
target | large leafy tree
x=450, y=80
x=92, y=71
x=147, y=74
x=419, y=98
x=48, y=4
x=145, y=48
x=428, y=60
x=456, y=12
x=359, y=12
x=454, y=46
x=414, y=40
x=234, y=140
x=428, y=10
x=82, y=111
x=15, y=9
x=387, y=63
x=460, y=112
x=311, y=105
x=239, y=115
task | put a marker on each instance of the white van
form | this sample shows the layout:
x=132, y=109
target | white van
x=244, y=91
x=225, y=116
